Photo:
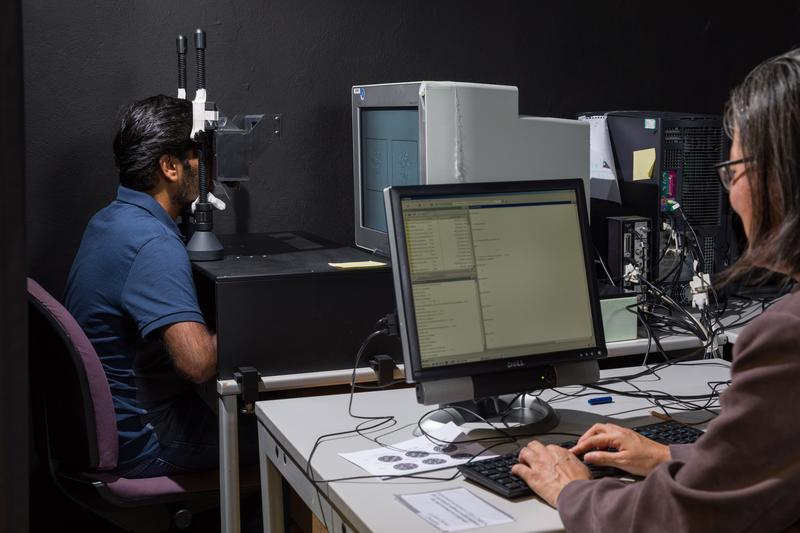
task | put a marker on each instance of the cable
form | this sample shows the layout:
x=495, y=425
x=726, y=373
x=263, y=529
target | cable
x=701, y=258
x=655, y=368
x=424, y=476
x=650, y=337
x=458, y=408
x=677, y=307
x=661, y=399
x=602, y=264
x=380, y=420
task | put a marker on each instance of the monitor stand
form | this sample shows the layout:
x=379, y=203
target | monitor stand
x=534, y=416
x=509, y=411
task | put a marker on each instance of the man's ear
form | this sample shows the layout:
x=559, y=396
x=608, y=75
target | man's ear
x=168, y=166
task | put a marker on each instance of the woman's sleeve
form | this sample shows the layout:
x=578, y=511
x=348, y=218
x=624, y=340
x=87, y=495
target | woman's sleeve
x=742, y=475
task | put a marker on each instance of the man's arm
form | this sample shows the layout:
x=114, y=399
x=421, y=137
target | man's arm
x=159, y=295
x=193, y=350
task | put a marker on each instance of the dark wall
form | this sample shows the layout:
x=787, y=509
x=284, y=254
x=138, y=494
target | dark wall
x=300, y=58
x=13, y=303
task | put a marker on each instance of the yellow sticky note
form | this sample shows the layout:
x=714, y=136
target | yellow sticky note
x=643, y=163
x=358, y=264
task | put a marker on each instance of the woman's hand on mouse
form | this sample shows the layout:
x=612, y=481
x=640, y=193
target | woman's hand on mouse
x=635, y=453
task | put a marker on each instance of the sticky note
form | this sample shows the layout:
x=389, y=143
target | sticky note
x=643, y=163
x=357, y=264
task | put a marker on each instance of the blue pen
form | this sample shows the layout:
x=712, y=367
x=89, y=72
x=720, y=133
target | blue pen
x=600, y=400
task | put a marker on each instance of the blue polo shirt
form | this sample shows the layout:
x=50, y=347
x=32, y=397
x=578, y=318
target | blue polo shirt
x=131, y=277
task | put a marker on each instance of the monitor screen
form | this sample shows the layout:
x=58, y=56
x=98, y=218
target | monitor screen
x=494, y=272
x=389, y=156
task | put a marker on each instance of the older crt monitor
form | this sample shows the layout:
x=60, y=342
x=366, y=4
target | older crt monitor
x=494, y=288
x=431, y=132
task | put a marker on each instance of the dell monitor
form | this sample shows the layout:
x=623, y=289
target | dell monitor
x=495, y=291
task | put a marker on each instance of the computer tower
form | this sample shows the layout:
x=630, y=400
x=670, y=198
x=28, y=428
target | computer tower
x=628, y=244
x=661, y=158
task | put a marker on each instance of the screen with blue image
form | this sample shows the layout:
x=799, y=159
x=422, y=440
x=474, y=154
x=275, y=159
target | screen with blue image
x=389, y=156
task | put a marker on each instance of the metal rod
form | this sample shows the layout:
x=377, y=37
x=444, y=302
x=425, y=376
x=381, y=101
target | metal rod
x=180, y=43
x=200, y=47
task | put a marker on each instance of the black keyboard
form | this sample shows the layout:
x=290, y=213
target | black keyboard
x=495, y=474
x=670, y=432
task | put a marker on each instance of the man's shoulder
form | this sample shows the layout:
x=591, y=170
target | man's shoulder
x=129, y=224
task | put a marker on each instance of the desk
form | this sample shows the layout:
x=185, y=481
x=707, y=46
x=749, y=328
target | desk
x=287, y=430
x=227, y=391
x=227, y=415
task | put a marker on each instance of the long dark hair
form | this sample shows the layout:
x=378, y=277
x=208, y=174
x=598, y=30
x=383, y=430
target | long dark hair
x=765, y=110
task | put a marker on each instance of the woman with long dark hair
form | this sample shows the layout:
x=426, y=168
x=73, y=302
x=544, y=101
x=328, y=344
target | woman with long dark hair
x=744, y=473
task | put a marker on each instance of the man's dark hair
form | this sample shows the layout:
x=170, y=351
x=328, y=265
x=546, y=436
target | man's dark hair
x=149, y=129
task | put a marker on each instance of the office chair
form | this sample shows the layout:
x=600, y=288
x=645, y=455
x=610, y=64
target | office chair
x=76, y=432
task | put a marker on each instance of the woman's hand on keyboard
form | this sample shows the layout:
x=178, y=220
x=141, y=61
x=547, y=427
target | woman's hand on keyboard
x=548, y=469
x=634, y=453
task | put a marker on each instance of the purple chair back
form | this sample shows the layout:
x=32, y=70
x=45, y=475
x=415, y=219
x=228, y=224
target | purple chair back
x=64, y=349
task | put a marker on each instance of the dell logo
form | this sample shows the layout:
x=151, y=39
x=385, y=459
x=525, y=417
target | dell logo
x=515, y=364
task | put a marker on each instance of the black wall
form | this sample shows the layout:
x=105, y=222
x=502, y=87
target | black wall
x=83, y=60
x=13, y=303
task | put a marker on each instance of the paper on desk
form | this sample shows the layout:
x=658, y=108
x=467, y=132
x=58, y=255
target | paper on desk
x=602, y=174
x=357, y=264
x=418, y=454
x=454, y=510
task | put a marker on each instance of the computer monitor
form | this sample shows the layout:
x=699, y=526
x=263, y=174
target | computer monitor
x=495, y=289
x=431, y=132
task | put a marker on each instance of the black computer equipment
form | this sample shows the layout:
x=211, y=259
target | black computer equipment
x=279, y=306
x=495, y=294
x=686, y=146
x=628, y=248
x=495, y=473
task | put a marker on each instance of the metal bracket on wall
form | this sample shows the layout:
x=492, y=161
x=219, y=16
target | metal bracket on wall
x=277, y=124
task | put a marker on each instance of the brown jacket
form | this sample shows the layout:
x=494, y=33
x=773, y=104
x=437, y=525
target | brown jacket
x=742, y=475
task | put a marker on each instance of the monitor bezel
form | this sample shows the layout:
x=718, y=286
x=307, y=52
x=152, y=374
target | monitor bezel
x=403, y=292
x=384, y=96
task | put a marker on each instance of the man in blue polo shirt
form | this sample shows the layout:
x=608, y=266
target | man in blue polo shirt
x=131, y=289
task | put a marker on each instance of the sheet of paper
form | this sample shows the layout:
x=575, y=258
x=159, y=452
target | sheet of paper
x=643, y=163
x=602, y=168
x=357, y=264
x=454, y=510
x=419, y=454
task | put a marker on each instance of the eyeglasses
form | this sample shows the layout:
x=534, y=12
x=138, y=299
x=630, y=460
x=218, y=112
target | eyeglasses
x=727, y=176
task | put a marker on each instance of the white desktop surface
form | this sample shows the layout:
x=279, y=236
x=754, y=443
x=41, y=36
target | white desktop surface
x=370, y=505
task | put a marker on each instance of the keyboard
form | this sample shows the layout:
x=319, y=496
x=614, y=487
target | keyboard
x=495, y=474
x=670, y=432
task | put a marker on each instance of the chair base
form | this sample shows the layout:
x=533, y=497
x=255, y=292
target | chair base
x=167, y=500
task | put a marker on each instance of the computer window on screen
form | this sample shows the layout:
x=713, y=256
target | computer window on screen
x=497, y=275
